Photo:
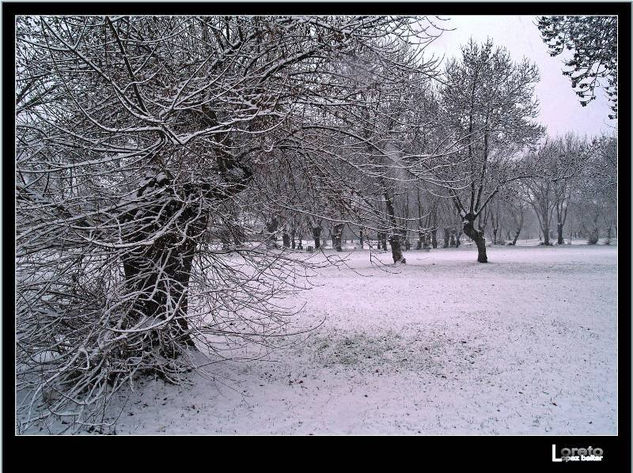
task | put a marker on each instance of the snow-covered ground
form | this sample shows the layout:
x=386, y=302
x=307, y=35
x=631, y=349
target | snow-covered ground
x=526, y=344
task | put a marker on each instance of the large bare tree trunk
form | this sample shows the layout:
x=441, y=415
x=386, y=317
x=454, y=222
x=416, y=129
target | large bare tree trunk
x=162, y=295
x=157, y=275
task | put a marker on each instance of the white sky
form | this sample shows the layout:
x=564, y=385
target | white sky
x=560, y=110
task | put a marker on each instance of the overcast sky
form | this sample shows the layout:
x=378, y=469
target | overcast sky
x=560, y=110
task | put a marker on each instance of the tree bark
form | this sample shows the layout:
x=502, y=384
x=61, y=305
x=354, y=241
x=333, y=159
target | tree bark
x=394, y=238
x=561, y=240
x=271, y=232
x=382, y=241
x=337, y=237
x=161, y=294
x=425, y=241
x=477, y=236
x=396, y=249
x=546, y=235
x=519, y=225
x=316, y=234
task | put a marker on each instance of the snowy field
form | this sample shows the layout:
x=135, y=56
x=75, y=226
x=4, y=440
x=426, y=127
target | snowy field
x=526, y=344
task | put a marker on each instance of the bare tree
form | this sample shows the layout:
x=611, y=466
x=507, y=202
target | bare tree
x=594, y=197
x=560, y=162
x=488, y=107
x=137, y=138
x=514, y=204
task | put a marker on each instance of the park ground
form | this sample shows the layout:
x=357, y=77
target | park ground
x=443, y=345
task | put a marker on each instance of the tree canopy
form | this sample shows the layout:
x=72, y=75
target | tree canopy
x=594, y=43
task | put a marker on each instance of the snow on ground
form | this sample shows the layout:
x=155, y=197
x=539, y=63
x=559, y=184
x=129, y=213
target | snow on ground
x=526, y=344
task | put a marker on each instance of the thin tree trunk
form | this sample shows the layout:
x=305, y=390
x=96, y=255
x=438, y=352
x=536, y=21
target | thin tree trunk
x=420, y=224
x=396, y=249
x=516, y=237
x=394, y=238
x=337, y=237
x=271, y=236
x=519, y=226
x=382, y=241
x=546, y=234
x=561, y=240
x=316, y=234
